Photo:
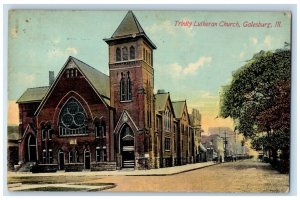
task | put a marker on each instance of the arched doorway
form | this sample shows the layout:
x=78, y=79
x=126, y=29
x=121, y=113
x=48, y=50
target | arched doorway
x=31, y=148
x=127, y=147
x=87, y=159
x=61, y=160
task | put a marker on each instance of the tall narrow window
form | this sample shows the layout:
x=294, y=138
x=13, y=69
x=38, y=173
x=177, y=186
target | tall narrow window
x=103, y=156
x=128, y=87
x=118, y=54
x=122, y=88
x=50, y=134
x=44, y=131
x=167, y=144
x=98, y=154
x=167, y=119
x=102, y=129
x=76, y=157
x=124, y=53
x=144, y=52
x=44, y=156
x=50, y=156
x=132, y=53
x=70, y=156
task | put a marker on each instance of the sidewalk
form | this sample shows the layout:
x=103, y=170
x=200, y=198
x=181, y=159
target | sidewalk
x=125, y=172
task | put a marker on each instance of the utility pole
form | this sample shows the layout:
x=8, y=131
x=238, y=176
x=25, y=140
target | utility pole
x=225, y=145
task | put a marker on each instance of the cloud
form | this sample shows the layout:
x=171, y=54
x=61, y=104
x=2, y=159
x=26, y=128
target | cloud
x=72, y=50
x=253, y=40
x=19, y=77
x=168, y=27
x=191, y=68
x=63, y=53
x=268, y=41
x=242, y=54
x=13, y=33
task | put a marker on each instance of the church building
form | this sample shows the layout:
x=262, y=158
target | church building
x=86, y=120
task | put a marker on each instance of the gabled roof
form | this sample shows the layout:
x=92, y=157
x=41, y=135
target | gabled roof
x=178, y=108
x=130, y=28
x=33, y=95
x=160, y=101
x=99, y=80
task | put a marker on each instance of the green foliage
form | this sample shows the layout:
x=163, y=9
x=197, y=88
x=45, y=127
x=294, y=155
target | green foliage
x=258, y=97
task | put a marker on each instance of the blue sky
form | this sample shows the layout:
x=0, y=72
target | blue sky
x=190, y=62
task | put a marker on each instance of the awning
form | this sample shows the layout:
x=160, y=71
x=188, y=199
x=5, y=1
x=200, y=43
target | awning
x=202, y=148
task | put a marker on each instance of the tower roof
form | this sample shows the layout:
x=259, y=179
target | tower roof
x=130, y=28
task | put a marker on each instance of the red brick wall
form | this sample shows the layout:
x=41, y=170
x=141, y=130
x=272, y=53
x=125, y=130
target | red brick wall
x=79, y=88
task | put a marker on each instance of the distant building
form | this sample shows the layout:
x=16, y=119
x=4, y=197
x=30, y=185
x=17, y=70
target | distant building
x=12, y=147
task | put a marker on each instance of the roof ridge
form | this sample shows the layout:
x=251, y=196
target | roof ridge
x=137, y=22
x=88, y=65
x=38, y=87
x=178, y=101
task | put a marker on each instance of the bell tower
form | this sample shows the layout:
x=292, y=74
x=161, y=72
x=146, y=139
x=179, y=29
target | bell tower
x=132, y=82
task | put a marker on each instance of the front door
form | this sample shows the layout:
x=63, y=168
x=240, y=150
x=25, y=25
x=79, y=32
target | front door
x=87, y=160
x=61, y=158
x=127, y=147
x=31, y=148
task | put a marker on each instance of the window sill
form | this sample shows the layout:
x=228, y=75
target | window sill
x=167, y=150
x=126, y=101
x=74, y=135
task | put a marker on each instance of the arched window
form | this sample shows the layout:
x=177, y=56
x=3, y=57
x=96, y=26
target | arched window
x=124, y=53
x=76, y=156
x=122, y=88
x=44, y=131
x=118, y=54
x=100, y=129
x=70, y=157
x=128, y=86
x=132, y=53
x=167, y=119
x=125, y=87
x=50, y=156
x=72, y=119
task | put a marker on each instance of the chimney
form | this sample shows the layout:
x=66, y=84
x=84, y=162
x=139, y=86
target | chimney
x=51, y=77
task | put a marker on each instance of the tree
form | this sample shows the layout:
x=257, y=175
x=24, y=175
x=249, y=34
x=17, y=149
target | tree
x=258, y=98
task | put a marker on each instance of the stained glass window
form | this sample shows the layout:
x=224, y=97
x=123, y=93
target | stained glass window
x=72, y=119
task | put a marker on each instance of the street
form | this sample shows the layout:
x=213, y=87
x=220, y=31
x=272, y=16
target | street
x=241, y=176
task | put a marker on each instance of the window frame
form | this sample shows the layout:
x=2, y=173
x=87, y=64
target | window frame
x=167, y=144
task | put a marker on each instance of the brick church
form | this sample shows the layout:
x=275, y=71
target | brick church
x=86, y=120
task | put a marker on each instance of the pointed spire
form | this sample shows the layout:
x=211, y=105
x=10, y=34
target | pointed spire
x=130, y=28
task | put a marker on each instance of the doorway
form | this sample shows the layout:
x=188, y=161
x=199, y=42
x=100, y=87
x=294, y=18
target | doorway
x=87, y=159
x=31, y=148
x=127, y=147
x=61, y=160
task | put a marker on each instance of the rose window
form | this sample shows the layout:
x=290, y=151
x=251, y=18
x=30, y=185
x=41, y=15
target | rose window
x=72, y=119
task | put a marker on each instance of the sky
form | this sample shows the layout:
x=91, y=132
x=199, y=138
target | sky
x=191, y=62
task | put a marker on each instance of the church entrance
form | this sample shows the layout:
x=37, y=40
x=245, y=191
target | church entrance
x=87, y=160
x=127, y=147
x=31, y=148
x=61, y=160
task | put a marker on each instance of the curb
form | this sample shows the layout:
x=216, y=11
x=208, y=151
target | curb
x=170, y=174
